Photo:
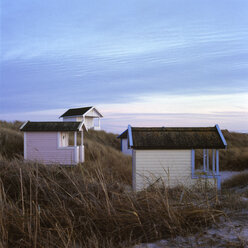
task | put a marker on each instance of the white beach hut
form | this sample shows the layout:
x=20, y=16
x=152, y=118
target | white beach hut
x=50, y=142
x=89, y=115
x=168, y=155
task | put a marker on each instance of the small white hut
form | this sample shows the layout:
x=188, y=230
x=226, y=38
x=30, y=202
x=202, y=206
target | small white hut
x=168, y=155
x=89, y=115
x=125, y=148
x=54, y=142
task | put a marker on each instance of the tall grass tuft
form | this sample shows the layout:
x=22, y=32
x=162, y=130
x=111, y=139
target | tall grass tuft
x=44, y=206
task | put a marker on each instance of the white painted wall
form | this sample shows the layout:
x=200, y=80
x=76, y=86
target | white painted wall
x=172, y=166
x=43, y=147
x=70, y=119
x=89, y=122
x=25, y=145
x=124, y=147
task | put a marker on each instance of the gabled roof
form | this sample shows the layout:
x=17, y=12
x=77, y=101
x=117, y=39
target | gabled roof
x=33, y=126
x=79, y=112
x=176, y=138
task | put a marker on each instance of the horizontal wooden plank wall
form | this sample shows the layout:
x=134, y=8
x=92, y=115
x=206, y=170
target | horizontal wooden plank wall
x=42, y=146
x=173, y=166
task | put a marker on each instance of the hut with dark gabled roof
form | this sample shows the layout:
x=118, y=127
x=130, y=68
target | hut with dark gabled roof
x=88, y=115
x=56, y=142
x=168, y=154
x=53, y=142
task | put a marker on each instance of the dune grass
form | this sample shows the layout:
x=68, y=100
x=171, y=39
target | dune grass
x=92, y=205
x=11, y=140
x=236, y=156
x=53, y=206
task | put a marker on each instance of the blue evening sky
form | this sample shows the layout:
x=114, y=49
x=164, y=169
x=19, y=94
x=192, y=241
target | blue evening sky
x=141, y=62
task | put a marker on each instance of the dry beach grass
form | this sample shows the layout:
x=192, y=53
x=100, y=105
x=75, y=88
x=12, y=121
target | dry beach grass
x=91, y=205
x=72, y=207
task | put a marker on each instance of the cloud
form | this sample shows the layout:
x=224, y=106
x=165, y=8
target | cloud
x=166, y=110
x=170, y=56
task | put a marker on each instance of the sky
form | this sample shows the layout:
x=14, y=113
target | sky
x=140, y=62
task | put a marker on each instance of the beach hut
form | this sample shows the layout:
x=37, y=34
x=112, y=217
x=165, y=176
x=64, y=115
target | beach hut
x=54, y=142
x=125, y=148
x=89, y=115
x=168, y=155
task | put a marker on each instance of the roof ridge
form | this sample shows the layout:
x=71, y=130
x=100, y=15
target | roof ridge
x=152, y=129
x=81, y=107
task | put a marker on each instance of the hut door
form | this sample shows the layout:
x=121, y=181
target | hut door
x=64, y=139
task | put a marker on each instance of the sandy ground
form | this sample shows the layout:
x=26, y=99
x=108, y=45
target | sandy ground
x=228, y=174
x=231, y=231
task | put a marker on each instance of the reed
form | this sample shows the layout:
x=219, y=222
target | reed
x=44, y=206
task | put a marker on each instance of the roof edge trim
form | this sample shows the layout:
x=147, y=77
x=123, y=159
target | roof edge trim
x=82, y=125
x=130, y=136
x=70, y=116
x=87, y=111
x=94, y=109
x=23, y=125
x=221, y=135
x=121, y=134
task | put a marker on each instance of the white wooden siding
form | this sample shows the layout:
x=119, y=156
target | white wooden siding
x=25, y=145
x=43, y=147
x=89, y=122
x=172, y=166
x=73, y=118
x=124, y=147
x=69, y=118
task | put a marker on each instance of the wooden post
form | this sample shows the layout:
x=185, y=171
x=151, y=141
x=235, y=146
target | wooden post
x=75, y=147
x=217, y=162
x=218, y=170
x=82, y=138
x=81, y=151
x=75, y=138
x=207, y=161
x=213, y=161
x=204, y=160
x=192, y=163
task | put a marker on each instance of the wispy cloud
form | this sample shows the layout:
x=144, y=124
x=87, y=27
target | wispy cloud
x=167, y=110
x=129, y=57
